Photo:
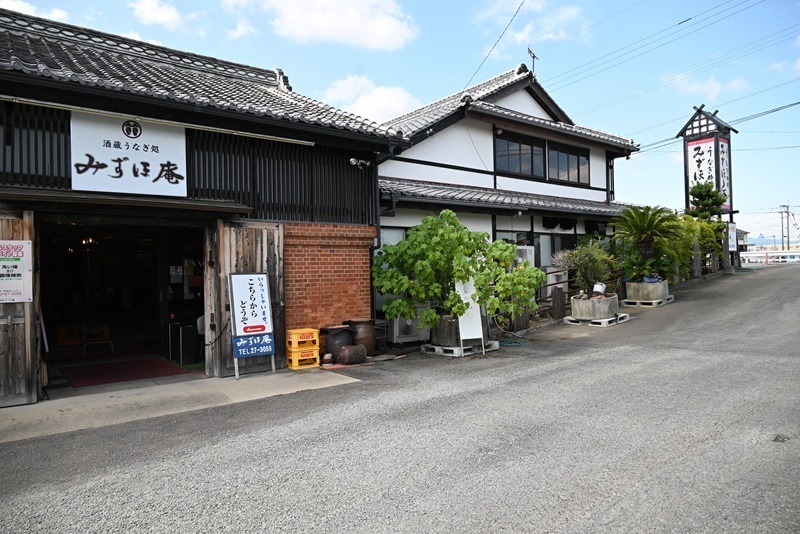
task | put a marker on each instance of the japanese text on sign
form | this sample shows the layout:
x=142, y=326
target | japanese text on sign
x=16, y=273
x=250, y=305
x=127, y=156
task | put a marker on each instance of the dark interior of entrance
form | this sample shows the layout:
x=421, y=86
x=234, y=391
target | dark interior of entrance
x=139, y=281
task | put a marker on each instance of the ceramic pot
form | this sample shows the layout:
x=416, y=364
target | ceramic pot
x=351, y=354
x=337, y=336
x=363, y=334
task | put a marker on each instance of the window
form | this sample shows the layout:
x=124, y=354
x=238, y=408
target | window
x=519, y=155
x=522, y=155
x=568, y=163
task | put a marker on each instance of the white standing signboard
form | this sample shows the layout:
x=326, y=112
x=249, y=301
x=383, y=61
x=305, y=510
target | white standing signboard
x=469, y=324
x=251, y=317
x=16, y=271
x=733, y=240
x=127, y=155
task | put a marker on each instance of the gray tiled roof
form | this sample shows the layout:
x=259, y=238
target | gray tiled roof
x=424, y=117
x=479, y=99
x=73, y=55
x=478, y=197
x=574, y=129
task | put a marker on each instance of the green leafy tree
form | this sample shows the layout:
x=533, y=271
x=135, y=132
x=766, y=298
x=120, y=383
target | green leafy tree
x=590, y=262
x=647, y=228
x=706, y=201
x=707, y=206
x=422, y=270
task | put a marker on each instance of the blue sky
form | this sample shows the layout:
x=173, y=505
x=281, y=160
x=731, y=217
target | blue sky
x=631, y=67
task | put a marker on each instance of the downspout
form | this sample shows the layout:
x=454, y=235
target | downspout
x=377, y=244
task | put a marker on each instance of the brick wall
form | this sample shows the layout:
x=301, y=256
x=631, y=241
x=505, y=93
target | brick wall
x=326, y=270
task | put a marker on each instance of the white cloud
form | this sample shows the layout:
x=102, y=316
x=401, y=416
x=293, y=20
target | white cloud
x=561, y=25
x=375, y=24
x=710, y=88
x=501, y=11
x=29, y=9
x=243, y=29
x=156, y=12
x=360, y=95
x=133, y=35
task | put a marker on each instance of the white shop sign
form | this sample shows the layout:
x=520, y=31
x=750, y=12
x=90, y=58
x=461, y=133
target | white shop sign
x=251, y=317
x=127, y=155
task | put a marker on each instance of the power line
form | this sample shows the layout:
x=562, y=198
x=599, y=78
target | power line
x=606, y=67
x=587, y=28
x=495, y=44
x=580, y=67
x=739, y=52
x=671, y=140
x=683, y=117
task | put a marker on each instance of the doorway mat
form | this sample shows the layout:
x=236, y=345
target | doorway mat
x=121, y=371
x=60, y=357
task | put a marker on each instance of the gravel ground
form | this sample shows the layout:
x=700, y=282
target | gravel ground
x=684, y=419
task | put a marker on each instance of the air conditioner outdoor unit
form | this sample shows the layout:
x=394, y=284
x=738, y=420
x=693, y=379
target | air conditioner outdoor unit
x=554, y=276
x=407, y=330
x=527, y=253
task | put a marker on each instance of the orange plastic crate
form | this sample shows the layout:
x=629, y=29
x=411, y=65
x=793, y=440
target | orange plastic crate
x=302, y=358
x=302, y=338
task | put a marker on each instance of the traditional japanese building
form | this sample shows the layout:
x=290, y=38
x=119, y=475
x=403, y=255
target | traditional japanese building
x=134, y=179
x=510, y=162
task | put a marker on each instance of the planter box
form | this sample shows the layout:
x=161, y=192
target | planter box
x=593, y=309
x=645, y=292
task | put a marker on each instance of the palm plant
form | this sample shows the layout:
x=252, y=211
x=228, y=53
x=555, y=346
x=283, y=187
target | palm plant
x=647, y=227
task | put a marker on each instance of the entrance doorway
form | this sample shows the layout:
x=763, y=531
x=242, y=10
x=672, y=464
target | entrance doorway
x=140, y=288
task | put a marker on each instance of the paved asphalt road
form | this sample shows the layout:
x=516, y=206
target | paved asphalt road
x=684, y=419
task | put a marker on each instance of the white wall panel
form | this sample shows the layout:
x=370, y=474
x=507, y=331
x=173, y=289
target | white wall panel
x=405, y=218
x=514, y=224
x=429, y=173
x=524, y=103
x=549, y=188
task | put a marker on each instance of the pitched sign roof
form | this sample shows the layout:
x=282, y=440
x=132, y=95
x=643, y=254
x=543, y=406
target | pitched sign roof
x=42, y=48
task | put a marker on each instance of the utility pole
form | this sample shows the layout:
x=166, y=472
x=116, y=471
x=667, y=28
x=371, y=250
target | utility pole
x=788, y=241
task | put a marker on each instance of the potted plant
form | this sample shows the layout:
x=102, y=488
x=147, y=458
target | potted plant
x=590, y=263
x=422, y=271
x=648, y=231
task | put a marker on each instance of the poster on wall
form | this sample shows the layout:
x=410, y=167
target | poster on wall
x=127, y=155
x=251, y=317
x=16, y=271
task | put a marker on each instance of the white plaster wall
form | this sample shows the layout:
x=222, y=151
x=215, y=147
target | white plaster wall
x=550, y=188
x=405, y=218
x=524, y=103
x=429, y=173
x=597, y=168
x=468, y=144
x=514, y=224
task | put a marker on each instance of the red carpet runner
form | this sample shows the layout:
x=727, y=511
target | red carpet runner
x=123, y=371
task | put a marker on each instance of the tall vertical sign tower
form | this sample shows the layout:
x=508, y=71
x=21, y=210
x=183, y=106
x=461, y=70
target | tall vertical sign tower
x=707, y=154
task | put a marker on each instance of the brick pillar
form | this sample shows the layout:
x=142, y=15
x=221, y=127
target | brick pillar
x=326, y=273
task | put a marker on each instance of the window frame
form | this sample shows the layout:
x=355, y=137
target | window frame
x=557, y=162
